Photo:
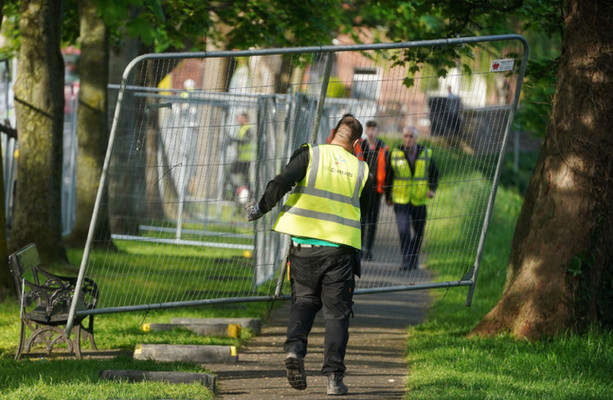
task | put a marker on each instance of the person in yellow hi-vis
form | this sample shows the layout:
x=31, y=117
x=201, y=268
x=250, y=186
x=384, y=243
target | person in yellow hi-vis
x=245, y=153
x=246, y=149
x=332, y=189
x=411, y=180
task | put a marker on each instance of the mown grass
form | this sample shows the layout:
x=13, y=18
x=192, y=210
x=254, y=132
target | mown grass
x=444, y=363
x=78, y=379
x=140, y=273
x=44, y=377
x=51, y=378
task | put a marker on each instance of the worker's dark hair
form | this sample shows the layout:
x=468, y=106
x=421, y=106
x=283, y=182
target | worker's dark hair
x=371, y=124
x=353, y=125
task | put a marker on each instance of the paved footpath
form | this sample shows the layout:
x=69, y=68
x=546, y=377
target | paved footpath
x=376, y=366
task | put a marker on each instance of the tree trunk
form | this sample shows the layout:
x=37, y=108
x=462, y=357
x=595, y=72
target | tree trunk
x=155, y=203
x=121, y=55
x=39, y=103
x=92, y=127
x=560, y=269
x=212, y=78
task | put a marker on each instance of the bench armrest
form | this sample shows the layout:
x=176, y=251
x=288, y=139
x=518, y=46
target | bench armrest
x=89, y=288
x=47, y=297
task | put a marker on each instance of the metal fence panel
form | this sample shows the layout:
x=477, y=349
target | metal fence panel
x=182, y=162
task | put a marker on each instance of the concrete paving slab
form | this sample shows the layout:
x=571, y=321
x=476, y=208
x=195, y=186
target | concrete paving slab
x=376, y=364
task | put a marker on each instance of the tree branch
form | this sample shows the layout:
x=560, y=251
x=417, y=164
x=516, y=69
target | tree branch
x=10, y=132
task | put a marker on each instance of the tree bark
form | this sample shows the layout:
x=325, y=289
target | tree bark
x=155, y=203
x=39, y=108
x=92, y=127
x=121, y=55
x=213, y=78
x=560, y=269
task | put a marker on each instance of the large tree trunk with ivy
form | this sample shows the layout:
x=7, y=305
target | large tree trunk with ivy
x=560, y=274
x=92, y=129
x=39, y=108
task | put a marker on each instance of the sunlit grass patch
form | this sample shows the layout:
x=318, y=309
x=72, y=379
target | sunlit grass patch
x=445, y=364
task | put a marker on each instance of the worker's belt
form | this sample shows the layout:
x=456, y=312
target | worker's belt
x=305, y=246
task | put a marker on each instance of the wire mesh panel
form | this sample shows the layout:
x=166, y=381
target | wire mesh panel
x=196, y=136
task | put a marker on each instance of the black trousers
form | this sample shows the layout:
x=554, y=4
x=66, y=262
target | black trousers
x=369, y=223
x=321, y=277
x=409, y=216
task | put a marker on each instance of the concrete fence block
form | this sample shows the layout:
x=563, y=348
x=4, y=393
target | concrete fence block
x=252, y=323
x=208, y=329
x=200, y=354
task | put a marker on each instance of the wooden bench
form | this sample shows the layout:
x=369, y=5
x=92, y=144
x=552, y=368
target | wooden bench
x=45, y=300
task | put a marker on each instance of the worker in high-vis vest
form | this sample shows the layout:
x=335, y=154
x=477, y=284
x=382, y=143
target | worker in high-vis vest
x=375, y=152
x=412, y=179
x=245, y=154
x=331, y=191
x=246, y=149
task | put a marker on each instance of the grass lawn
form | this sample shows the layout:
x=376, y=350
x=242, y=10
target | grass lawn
x=444, y=364
x=56, y=378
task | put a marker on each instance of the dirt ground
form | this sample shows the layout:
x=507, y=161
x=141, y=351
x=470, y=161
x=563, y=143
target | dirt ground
x=376, y=363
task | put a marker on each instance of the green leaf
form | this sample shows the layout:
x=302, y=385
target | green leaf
x=142, y=29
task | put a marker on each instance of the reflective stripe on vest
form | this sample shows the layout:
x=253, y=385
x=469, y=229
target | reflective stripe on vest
x=407, y=187
x=326, y=203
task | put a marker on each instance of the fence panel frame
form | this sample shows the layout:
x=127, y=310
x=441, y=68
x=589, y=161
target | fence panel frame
x=469, y=279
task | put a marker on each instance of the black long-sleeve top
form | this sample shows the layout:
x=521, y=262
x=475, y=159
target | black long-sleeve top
x=372, y=156
x=294, y=172
x=433, y=173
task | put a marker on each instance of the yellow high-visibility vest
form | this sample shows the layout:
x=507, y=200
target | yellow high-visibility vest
x=245, y=150
x=410, y=188
x=326, y=203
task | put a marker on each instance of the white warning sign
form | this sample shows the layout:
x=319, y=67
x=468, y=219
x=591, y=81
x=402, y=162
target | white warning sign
x=502, y=65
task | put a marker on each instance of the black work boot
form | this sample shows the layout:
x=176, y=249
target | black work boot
x=296, y=376
x=336, y=387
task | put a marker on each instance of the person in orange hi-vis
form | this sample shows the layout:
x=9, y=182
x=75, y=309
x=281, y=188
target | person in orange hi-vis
x=375, y=152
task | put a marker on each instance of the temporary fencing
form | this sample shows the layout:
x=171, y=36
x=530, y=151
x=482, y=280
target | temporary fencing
x=197, y=135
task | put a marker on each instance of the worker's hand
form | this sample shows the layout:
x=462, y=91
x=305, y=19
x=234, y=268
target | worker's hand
x=389, y=202
x=430, y=194
x=253, y=211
